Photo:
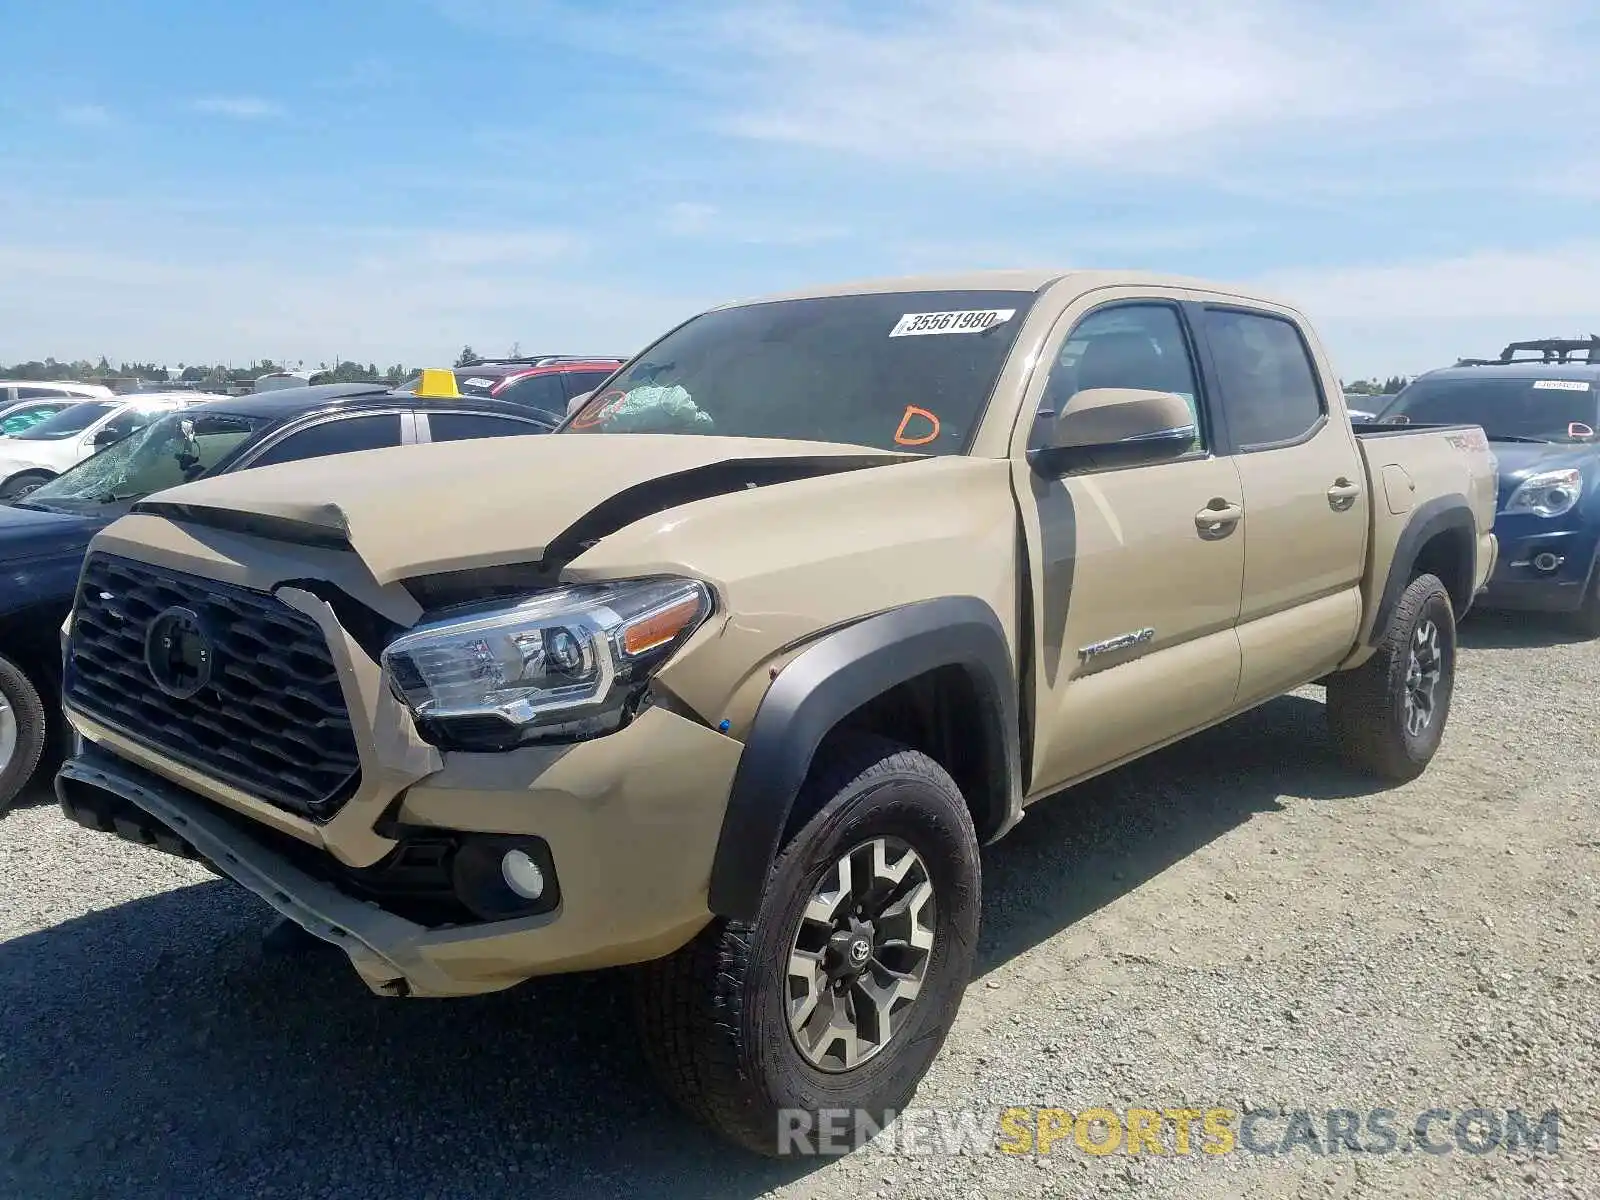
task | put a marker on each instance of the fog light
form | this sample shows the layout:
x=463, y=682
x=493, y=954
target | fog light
x=502, y=876
x=522, y=875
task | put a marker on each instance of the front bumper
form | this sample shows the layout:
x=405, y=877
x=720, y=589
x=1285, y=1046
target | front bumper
x=1518, y=583
x=631, y=821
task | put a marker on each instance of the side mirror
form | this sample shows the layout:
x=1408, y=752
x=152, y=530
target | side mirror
x=1116, y=427
x=105, y=437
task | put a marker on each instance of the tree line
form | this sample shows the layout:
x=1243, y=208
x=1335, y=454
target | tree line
x=1374, y=387
x=219, y=375
x=204, y=375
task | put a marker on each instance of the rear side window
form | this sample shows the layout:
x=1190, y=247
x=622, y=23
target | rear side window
x=461, y=427
x=343, y=436
x=539, y=391
x=37, y=393
x=580, y=382
x=1269, y=387
x=27, y=418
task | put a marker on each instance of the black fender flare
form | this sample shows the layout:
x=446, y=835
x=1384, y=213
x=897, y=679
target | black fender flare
x=1439, y=515
x=831, y=679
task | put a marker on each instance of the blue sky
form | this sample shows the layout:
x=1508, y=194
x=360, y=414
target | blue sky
x=389, y=180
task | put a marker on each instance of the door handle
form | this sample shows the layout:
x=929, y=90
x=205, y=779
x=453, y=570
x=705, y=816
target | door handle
x=1342, y=494
x=1218, y=519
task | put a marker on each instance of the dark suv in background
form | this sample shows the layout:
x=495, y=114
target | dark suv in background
x=1539, y=404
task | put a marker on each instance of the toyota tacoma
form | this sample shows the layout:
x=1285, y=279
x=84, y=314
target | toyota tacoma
x=727, y=681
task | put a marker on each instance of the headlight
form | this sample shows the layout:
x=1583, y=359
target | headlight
x=562, y=665
x=1547, y=494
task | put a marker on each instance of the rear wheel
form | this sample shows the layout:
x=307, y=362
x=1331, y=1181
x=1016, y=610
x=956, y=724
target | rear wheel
x=843, y=990
x=1388, y=715
x=23, y=731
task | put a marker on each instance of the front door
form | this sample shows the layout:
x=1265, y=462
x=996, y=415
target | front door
x=1138, y=570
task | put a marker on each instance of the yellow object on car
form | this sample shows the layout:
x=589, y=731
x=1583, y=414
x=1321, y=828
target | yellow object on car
x=438, y=383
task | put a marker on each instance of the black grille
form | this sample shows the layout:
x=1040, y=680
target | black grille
x=271, y=721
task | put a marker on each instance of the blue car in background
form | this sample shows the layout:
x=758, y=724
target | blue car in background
x=1539, y=404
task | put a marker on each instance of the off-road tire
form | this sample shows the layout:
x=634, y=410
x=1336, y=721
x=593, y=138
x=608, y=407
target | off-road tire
x=33, y=729
x=712, y=1016
x=21, y=484
x=1367, y=705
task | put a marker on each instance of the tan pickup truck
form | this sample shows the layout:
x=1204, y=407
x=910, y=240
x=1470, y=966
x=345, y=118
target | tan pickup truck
x=727, y=680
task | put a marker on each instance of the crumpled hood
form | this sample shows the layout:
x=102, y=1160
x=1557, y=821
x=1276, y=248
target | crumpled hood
x=28, y=533
x=420, y=510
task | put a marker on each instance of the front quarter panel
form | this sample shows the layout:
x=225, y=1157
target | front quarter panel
x=792, y=562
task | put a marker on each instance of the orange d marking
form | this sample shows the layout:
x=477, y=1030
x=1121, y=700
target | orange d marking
x=599, y=409
x=901, y=438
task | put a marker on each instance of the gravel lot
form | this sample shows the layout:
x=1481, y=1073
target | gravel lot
x=1234, y=921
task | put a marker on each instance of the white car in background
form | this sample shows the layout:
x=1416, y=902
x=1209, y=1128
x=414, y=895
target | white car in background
x=14, y=418
x=14, y=390
x=38, y=454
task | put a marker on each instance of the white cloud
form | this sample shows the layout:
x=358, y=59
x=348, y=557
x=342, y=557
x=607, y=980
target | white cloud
x=708, y=222
x=204, y=293
x=688, y=219
x=1412, y=316
x=242, y=108
x=1131, y=85
x=86, y=116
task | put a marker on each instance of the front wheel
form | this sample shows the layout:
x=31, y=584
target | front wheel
x=22, y=485
x=1388, y=714
x=23, y=730
x=842, y=992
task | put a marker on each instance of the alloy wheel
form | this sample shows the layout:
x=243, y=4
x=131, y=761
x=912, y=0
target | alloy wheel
x=1424, y=669
x=860, y=954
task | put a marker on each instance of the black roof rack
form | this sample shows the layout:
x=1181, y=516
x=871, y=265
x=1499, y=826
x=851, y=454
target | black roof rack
x=1544, y=350
x=539, y=360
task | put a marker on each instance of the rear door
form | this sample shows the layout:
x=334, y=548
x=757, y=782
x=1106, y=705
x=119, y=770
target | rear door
x=1135, y=571
x=1305, y=494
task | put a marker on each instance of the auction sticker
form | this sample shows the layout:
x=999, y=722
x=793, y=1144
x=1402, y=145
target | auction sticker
x=1562, y=385
x=477, y=381
x=974, y=320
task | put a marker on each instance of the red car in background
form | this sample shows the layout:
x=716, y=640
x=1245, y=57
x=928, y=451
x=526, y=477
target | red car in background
x=546, y=383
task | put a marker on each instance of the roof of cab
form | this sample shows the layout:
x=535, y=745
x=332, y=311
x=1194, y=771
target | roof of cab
x=1023, y=280
x=1516, y=370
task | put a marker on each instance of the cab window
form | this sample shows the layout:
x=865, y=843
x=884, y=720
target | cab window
x=1269, y=388
x=1126, y=346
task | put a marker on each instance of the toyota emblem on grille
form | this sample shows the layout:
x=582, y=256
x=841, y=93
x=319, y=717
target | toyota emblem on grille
x=178, y=652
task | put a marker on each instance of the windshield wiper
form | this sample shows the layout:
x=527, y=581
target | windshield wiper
x=1507, y=437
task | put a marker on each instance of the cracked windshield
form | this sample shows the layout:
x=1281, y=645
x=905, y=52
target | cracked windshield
x=898, y=371
x=174, y=449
